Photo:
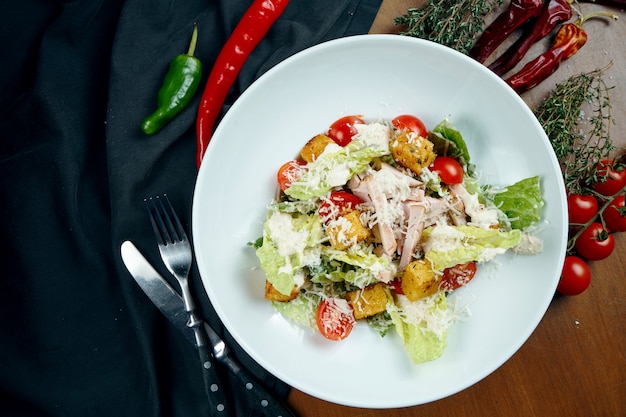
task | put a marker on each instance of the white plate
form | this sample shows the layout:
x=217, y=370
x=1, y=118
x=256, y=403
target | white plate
x=378, y=76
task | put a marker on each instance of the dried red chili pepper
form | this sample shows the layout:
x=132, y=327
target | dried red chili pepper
x=553, y=13
x=569, y=39
x=518, y=13
x=252, y=27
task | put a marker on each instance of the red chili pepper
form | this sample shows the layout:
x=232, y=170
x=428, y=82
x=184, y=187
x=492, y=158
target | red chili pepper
x=569, y=39
x=553, y=13
x=518, y=13
x=252, y=27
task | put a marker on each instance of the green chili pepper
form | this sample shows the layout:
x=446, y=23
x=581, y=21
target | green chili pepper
x=179, y=86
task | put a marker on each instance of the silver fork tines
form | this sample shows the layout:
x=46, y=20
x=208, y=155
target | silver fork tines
x=173, y=243
x=174, y=247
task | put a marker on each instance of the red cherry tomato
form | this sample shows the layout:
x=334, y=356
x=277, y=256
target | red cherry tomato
x=614, y=215
x=449, y=169
x=289, y=172
x=581, y=208
x=611, y=179
x=336, y=204
x=396, y=286
x=342, y=130
x=410, y=123
x=333, y=321
x=595, y=243
x=575, y=277
x=457, y=276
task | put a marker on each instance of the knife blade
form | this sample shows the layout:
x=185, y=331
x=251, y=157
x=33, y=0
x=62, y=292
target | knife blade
x=158, y=290
x=171, y=304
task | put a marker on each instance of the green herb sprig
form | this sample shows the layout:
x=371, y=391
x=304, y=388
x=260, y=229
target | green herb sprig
x=453, y=23
x=576, y=116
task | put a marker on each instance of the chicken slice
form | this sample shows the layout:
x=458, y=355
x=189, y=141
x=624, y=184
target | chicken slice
x=415, y=227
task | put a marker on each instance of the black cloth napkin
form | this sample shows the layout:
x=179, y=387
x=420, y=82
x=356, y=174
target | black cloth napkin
x=79, y=338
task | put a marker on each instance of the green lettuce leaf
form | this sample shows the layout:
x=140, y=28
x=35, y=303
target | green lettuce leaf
x=273, y=264
x=446, y=246
x=333, y=169
x=421, y=343
x=302, y=310
x=357, y=255
x=520, y=202
x=447, y=140
x=288, y=248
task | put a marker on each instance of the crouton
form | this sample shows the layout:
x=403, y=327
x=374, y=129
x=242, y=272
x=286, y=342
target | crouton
x=419, y=280
x=272, y=294
x=346, y=230
x=315, y=147
x=412, y=151
x=369, y=301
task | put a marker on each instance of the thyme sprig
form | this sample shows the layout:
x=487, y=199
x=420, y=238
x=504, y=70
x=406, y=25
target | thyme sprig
x=453, y=23
x=580, y=140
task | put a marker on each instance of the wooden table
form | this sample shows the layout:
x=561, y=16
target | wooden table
x=574, y=363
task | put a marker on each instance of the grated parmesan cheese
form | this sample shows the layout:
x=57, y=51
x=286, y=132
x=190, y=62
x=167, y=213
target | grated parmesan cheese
x=425, y=311
x=443, y=237
x=288, y=241
x=375, y=135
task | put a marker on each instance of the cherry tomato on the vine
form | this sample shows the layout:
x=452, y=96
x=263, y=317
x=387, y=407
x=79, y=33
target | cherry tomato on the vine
x=449, y=169
x=581, y=208
x=595, y=243
x=342, y=130
x=336, y=204
x=612, y=179
x=575, y=276
x=410, y=123
x=289, y=172
x=614, y=215
x=457, y=276
x=335, y=322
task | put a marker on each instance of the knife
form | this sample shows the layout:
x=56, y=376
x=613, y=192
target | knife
x=171, y=304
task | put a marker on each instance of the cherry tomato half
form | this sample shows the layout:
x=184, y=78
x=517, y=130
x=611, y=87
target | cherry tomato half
x=457, y=276
x=289, y=172
x=581, y=208
x=342, y=130
x=449, y=169
x=575, y=277
x=614, y=215
x=336, y=204
x=396, y=286
x=410, y=123
x=595, y=243
x=612, y=179
x=333, y=321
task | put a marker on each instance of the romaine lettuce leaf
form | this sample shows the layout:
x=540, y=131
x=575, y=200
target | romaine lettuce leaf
x=290, y=242
x=333, y=169
x=359, y=256
x=274, y=266
x=520, y=202
x=301, y=310
x=424, y=334
x=449, y=141
x=446, y=246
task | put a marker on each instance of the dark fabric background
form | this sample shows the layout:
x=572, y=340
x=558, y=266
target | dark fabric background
x=78, y=337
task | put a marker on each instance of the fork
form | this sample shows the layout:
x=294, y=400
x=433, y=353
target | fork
x=176, y=253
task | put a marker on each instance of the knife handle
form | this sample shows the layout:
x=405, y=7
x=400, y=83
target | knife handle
x=214, y=389
x=269, y=405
